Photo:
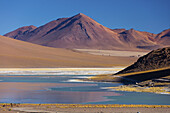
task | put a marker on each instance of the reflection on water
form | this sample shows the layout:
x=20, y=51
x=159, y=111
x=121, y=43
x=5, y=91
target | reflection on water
x=63, y=89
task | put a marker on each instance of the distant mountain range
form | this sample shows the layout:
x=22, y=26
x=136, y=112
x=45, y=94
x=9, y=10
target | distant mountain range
x=80, y=31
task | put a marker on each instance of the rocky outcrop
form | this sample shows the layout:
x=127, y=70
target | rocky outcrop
x=154, y=60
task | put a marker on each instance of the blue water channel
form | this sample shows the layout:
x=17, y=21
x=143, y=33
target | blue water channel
x=65, y=89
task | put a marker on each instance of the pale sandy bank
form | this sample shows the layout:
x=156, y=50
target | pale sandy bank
x=113, y=52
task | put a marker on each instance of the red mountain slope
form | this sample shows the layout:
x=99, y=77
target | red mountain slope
x=163, y=38
x=20, y=32
x=80, y=31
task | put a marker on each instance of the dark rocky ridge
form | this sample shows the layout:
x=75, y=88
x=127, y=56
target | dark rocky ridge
x=154, y=60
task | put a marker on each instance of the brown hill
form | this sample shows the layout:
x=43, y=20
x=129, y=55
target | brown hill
x=156, y=59
x=16, y=53
x=20, y=32
x=163, y=38
x=80, y=31
x=137, y=39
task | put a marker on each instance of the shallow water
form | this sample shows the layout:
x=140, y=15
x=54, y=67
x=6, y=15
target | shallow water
x=65, y=89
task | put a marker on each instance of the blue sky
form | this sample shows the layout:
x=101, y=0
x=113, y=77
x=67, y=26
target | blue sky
x=144, y=15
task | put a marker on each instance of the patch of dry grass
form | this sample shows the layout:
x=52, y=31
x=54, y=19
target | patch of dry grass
x=143, y=72
x=3, y=105
x=101, y=78
x=141, y=89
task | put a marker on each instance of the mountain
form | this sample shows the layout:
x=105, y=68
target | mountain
x=156, y=59
x=138, y=39
x=17, y=54
x=20, y=31
x=164, y=37
x=80, y=31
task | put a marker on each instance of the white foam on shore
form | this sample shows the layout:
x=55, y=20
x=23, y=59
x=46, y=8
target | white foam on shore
x=82, y=77
x=163, y=93
x=76, y=80
x=104, y=88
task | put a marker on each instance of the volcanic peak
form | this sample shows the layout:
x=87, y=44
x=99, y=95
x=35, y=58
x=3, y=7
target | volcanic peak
x=75, y=32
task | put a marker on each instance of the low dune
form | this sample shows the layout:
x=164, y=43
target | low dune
x=19, y=54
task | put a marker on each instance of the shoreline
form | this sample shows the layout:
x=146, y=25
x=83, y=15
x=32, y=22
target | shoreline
x=85, y=105
x=77, y=108
x=137, y=82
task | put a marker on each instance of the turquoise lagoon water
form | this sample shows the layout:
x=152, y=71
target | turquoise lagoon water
x=66, y=90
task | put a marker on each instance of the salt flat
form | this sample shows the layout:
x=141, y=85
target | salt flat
x=58, y=71
x=113, y=52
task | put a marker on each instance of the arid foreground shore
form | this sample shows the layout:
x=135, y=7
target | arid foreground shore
x=79, y=108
